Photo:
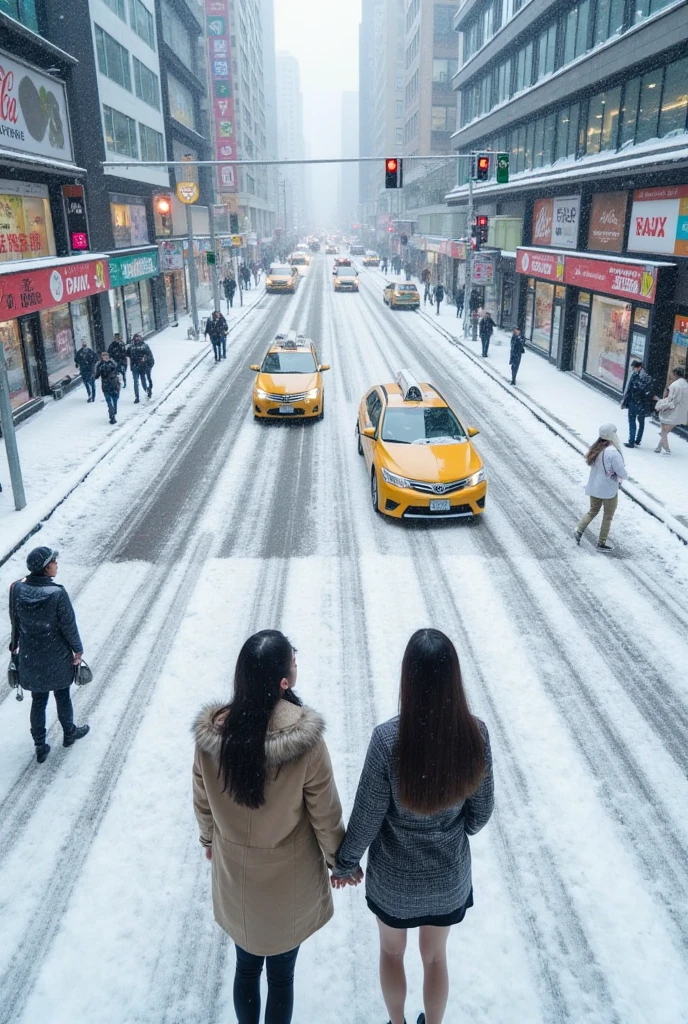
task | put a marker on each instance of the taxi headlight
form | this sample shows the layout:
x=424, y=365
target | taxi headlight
x=394, y=480
x=268, y=280
x=313, y=393
x=477, y=478
x=259, y=393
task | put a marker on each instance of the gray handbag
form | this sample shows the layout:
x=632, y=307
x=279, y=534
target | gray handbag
x=82, y=674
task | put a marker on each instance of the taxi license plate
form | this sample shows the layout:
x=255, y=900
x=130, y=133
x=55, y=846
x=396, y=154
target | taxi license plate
x=440, y=505
x=286, y=408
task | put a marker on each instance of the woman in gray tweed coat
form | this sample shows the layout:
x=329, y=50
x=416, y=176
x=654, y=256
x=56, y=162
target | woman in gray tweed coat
x=425, y=787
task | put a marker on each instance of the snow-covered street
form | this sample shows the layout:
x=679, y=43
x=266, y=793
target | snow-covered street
x=206, y=527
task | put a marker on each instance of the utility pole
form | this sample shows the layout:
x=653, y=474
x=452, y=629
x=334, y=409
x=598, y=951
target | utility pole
x=8, y=432
x=467, y=313
x=213, y=268
x=192, y=272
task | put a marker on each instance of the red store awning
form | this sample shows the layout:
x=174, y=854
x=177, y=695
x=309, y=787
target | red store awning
x=50, y=283
x=627, y=279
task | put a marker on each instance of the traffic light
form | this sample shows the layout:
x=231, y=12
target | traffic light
x=393, y=173
x=481, y=223
x=234, y=223
x=482, y=167
x=210, y=258
x=163, y=205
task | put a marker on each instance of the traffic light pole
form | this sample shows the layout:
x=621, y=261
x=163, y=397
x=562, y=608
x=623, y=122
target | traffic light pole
x=214, y=268
x=468, y=287
x=192, y=272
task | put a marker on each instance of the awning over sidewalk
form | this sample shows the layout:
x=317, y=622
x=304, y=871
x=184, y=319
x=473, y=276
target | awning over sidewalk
x=51, y=281
x=627, y=278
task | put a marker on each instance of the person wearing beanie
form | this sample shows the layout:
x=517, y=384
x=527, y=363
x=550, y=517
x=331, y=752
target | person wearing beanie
x=46, y=646
x=607, y=470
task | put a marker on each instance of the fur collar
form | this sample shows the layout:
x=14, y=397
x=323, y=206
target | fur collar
x=293, y=731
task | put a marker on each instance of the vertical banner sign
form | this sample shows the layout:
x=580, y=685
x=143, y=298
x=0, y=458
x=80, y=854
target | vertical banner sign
x=75, y=211
x=221, y=90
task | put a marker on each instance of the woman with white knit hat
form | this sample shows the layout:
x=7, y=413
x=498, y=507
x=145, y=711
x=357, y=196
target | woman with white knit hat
x=607, y=470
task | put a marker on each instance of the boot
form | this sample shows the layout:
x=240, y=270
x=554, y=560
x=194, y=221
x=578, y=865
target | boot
x=78, y=734
x=136, y=401
x=42, y=751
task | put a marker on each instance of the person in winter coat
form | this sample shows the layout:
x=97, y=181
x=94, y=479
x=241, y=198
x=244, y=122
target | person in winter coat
x=407, y=270
x=517, y=349
x=85, y=361
x=108, y=373
x=229, y=288
x=118, y=354
x=426, y=786
x=216, y=329
x=607, y=470
x=46, y=646
x=474, y=300
x=270, y=821
x=673, y=408
x=142, y=362
x=637, y=399
x=485, y=329
x=438, y=296
x=459, y=300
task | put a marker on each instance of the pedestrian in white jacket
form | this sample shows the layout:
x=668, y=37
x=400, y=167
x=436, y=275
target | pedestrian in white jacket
x=673, y=408
x=607, y=470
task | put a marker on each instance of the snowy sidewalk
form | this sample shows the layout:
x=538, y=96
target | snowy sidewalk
x=580, y=409
x=62, y=443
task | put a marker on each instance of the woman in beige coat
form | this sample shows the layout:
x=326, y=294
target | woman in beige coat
x=270, y=821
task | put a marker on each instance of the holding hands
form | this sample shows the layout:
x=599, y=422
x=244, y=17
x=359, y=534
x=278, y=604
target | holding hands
x=341, y=883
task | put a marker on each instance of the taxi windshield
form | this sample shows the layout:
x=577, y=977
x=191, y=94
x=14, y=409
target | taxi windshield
x=298, y=257
x=279, y=270
x=406, y=287
x=346, y=272
x=434, y=425
x=289, y=362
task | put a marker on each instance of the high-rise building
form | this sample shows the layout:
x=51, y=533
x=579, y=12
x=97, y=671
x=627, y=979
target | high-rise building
x=348, y=179
x=290, y=142
x=589, y=99
x=270, y=87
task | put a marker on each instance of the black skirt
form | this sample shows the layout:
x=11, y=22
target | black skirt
x=433, y=920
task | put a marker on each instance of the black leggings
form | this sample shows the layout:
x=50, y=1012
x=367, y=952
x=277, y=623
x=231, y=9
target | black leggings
x=39, y=702
x=280, y=971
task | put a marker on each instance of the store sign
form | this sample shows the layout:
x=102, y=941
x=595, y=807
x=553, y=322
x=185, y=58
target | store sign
x=626, y=280
x=31, y=290
x=33, y=112
x=219, y=46
x=127, y=269
x=680, y=336
x=75, y=212
x=482, y=271
x=547, y=265
x=187, y=192
x=555, y=222
x=607, y=219
x=171, y=256
x=26, y=230
x=659, y=221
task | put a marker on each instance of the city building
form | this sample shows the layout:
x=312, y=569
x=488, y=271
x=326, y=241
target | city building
x=290, y=143
x=270, y=87
x=348, y=179
x=589, y=239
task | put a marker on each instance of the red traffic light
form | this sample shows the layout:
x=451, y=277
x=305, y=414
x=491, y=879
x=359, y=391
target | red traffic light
x=393, y=172
x=482, y=167
x=392, y=165
x=163, y=205
x=481, y=220
x=390, y=228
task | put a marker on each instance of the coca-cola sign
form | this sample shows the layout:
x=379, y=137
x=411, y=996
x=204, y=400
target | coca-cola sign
x=33, y=112
x=607, y=220
x=555, y=222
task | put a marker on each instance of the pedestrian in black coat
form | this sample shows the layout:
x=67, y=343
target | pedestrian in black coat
x=474, y=300
x=517, y=349
x=142, y=362
x=118, y=353
x=439, y=296
x=46, y=646
x=229, y=288
x=85, y=361
x=108, y=373
x=637, y=398
x=485, y=329
x=216, y=329
x=458, y=299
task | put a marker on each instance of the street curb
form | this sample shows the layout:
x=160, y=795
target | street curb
x=50, y=505
x=634, y=491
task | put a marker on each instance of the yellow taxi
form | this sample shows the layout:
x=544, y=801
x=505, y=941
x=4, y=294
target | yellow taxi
x=371, y=259
x=401, y=295
x=300, y=259
x=420, y=460
x=281, y=278
x=345, y=278
x=331, y=250
x=289, y=382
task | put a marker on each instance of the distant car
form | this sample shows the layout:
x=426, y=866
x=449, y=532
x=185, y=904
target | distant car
x=302, y=247
x=421, y=463
x=341, y=261
x=300, y=259
x=345, y=279
x=356, y=249
x=281, y=278
x=401, y=296
x=289, y=382
x=331, y=250
x=371, y=259
x=315, y=246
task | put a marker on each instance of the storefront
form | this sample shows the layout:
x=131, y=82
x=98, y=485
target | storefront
x=171, y=262
x=45, y=315
x=590, y=314
x=131, y=293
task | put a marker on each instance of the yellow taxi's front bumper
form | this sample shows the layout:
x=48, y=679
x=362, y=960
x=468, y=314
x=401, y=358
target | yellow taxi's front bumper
x=408, y=503
x=297, y=409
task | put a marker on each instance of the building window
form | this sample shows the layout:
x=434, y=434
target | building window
x=672, y=118
x=648, y=109
x=547, y=45
x=177, y=36
x=120, y=133
x=644, y=8
x=141, y=20
x=152, y=143
x=182, y=107
x=629, y=113
x=603, y=119
x=113, y=59
x=444, y=70
x=23, y=11
x=400, y=136
x=444, y=19
x=524, y=68
x=584, y=13
x=399, y=108
x=146, y=84
x=118, y=6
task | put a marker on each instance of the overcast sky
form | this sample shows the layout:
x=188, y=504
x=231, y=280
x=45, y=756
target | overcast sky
x=323, y=36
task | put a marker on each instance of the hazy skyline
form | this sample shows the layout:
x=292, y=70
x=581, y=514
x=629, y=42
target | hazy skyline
x=324, y=40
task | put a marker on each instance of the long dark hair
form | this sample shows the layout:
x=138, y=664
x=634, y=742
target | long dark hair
x=264, y=660
x=595, y=449
x=440, y=750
